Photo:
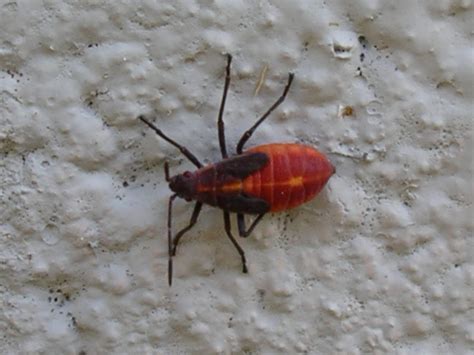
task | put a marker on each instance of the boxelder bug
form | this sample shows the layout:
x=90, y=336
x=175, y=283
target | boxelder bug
x=266, y=178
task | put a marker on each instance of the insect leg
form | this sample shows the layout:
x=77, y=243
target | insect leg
x=220, y=121
x=192, y=222
x=248, y=133
x=181, y=148
x=241, y=224
x=232, y=239
x=167, y=171
x=170, y=249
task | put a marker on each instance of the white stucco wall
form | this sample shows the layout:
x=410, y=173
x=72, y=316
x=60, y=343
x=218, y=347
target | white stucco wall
x=380, y=262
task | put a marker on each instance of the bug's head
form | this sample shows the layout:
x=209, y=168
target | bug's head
x=184, y=185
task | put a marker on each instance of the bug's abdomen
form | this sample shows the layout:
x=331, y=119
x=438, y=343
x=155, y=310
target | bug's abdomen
x=294, y=174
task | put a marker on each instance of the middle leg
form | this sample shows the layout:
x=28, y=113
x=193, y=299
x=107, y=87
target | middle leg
x=220, y=121
x=232, y=239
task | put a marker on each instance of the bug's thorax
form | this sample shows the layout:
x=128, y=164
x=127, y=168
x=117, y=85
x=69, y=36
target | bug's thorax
x=184, y=185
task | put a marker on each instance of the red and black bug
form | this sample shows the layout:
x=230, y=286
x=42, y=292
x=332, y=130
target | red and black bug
x=266, y=178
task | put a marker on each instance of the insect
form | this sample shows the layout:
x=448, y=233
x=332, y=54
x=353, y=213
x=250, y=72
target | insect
x=266, y=178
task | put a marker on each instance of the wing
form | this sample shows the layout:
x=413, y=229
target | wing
x=239, y=167
x=242, y=165
x=242, y=204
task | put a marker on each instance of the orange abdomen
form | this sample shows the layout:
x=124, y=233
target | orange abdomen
x=294, y=175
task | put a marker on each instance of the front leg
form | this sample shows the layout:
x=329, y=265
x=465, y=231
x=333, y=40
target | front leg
x=170, y=233
x=192, y=222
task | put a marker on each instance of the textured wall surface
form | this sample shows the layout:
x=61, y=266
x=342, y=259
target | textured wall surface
x=380, y=262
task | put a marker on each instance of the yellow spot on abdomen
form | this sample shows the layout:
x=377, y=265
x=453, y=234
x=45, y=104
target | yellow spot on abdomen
x=296, y=181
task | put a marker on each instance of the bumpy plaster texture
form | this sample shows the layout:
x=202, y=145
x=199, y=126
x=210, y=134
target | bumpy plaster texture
x=380, y=262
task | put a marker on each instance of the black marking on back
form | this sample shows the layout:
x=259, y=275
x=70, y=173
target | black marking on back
x=243, y=204
x=242, y=165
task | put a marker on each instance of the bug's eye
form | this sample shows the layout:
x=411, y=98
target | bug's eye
x=187, y=174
